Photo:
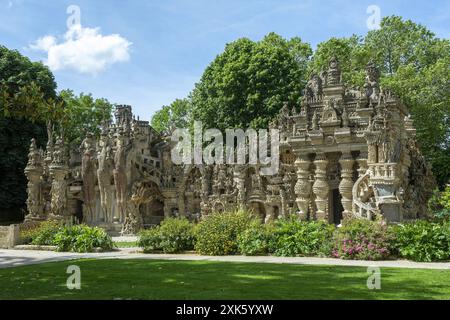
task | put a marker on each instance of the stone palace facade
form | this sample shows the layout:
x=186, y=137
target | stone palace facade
x=343, y=152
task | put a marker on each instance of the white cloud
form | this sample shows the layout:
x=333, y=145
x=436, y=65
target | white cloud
x=84, y=50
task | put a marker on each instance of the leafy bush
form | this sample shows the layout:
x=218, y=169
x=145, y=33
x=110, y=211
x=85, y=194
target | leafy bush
x=439, y=204
x=42, y=233
x=293, y=237
x=172, y=236
x=82, y=238
x=363, y=240
x=423, y=241
x=150, y=240
x=217, y=233
x=256, y=239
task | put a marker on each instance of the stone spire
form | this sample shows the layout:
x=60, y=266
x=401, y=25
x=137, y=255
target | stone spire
x=333, y=73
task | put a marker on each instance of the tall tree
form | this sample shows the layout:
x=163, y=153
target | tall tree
x=175, y=115
x=247, y=84
x=24, y=86
x=82, y=114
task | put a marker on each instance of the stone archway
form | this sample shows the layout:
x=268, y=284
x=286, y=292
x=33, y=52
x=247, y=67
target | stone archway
x=258, y=209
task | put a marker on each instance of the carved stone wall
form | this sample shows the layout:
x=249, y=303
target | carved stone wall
x=343, y=152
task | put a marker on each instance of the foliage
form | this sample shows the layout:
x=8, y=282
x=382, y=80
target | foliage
x=293, y=237
x=174, y=235
x=28, y=101
x=45, y=233
x=41, y=233
x=83, y=114
x=439, y=204
x=172, y=116
x=423, y=241
x=256, y=239
x=246, y=85
x=217, y=233
x=363, y=240
x=82, y=238
x=351, y=54
x=149, y=239
x=24, y=85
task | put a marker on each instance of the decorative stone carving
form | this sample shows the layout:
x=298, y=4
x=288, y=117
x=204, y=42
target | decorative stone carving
x=303, y=186
x=89, y=176
x=120, y=178
x=104, y=174
x=321, y=188
x=134, y=165
x=345, y=187
x=58, y=172
x=334, y=73
x=33, y=171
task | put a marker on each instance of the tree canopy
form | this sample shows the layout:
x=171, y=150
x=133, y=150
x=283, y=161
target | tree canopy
x=28, y=100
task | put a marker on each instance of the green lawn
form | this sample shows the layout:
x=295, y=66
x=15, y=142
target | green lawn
x=163, y=279
x=126, y=244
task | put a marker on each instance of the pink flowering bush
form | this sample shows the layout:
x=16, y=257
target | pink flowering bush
x=363, y=240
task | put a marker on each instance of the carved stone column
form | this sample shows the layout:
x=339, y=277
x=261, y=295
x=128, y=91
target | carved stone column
x=321, y=187
x=361, y=160
x=239, y=180
x=303, y=185
x=346, y=185
x=34, y=171
x=58, y=172
x=59, y=192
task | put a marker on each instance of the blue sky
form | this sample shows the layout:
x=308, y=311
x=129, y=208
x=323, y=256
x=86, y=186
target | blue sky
x=148, y=53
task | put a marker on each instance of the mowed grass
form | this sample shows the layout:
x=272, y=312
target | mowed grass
x=163, y=279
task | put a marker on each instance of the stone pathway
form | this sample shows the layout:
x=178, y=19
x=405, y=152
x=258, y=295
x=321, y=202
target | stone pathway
x=13, y=258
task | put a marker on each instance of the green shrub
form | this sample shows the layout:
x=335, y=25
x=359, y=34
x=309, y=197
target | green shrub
x=439, y=204
x=256, y=239
x=150, y=240
x=172, y=236
x=41, y=234
x=423, y=241
x=294, y=237
x=217, y=233
x=82, y=238
x=363, y=240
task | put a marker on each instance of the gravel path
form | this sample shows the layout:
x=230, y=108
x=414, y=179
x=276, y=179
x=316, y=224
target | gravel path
x=13, y=258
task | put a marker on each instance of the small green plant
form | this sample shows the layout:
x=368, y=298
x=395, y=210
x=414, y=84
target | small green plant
x=256, y=239
x=82, y=238
x=363, y=240
x=217, y=233
x=293, y=237
x=423, y=241
x=439, y=204
x=42, y=233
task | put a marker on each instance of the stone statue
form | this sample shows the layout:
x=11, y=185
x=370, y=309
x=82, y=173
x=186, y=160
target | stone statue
x=372, y=83
x=104, y=174
x=120, y=177
x=89, y=175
